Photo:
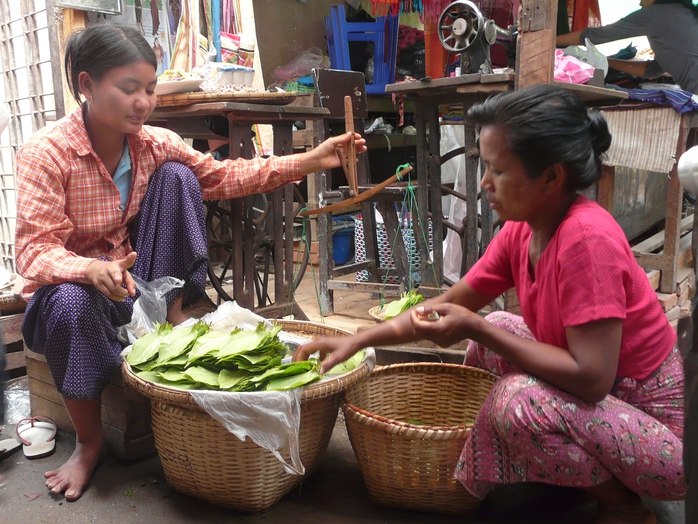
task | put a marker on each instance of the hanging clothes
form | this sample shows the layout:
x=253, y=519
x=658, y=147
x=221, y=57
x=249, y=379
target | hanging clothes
x=185, y=52
x=585, y=13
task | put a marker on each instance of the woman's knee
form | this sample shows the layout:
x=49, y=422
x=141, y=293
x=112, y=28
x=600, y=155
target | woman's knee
x=175, y=173
x=513, y=397
x=510, y=322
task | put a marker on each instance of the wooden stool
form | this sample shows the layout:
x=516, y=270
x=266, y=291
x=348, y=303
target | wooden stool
x=125, y=412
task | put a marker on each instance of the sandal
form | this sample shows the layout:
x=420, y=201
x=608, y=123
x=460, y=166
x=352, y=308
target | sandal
x=37, y=434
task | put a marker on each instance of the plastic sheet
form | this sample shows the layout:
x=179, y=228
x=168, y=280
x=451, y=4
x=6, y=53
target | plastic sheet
x=149, y=308
x=17, y=404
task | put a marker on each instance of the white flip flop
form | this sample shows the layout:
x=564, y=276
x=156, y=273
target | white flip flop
x=8, y=446
x=37, y=434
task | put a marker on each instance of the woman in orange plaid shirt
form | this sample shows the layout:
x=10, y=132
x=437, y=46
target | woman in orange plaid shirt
x=101, y=196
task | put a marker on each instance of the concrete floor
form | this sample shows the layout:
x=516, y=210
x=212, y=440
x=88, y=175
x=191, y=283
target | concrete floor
x=137, y=492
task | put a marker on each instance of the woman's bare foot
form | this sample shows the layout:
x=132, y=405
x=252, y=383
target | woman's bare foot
x=73, y=476
x=639, y=513
x=618, y=504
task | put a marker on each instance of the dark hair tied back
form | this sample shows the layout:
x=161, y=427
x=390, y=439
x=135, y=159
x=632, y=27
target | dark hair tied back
x=600, y=136
x=100, y=48
x=547, y=125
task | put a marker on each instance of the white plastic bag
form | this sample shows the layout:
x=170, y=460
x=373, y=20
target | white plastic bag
x=589, y=54
x=149, y=308
x=271, y=419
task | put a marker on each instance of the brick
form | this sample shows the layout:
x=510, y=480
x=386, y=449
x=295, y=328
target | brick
x=673, y=313
x=668, y=300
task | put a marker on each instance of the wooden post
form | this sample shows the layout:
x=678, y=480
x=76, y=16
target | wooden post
x=72, y=20
x=535, y=47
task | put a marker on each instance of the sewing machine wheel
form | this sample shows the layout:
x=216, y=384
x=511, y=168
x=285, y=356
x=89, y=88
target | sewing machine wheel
x=219, y=224
x=460, y=26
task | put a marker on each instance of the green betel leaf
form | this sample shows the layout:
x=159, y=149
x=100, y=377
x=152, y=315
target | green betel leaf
x=294, y=381
x=180, y=341
x=202, y=375
x=348, y=365
x=242, y=342
x=407, y=300
x=228, y=379
x=146, y=348
x=173, y=375
x=208, y=345
x=285, y=370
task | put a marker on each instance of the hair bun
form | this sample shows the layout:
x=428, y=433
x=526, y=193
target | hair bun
x=600, y=135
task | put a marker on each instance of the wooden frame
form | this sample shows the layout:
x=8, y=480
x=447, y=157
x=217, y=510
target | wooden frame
x=110, y=7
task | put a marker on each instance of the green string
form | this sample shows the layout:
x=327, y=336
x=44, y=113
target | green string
x=409, y=201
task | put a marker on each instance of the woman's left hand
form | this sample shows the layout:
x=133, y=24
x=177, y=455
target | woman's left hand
x=444, y=324
x=326, y=155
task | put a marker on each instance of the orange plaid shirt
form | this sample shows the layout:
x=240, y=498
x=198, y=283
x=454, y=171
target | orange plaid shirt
x=69, y=209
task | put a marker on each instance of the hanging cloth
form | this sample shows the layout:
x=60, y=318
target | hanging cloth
x=585, y=13
x=187, y=40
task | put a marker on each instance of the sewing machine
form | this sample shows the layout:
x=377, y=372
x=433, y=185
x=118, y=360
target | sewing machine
x=463, y=29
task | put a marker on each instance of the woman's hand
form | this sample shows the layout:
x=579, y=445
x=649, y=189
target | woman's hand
x=112, y=278
x=335, y=349
x=444, y=323
x=326, y=155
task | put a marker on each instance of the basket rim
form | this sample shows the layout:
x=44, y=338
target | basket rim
x=397, y=427
x=316, y=390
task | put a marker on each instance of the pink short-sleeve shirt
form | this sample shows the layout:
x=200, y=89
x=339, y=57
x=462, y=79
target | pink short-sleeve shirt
x=587, y=272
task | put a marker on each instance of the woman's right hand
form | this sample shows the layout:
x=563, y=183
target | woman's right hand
x=112, y=278
x=333, y=350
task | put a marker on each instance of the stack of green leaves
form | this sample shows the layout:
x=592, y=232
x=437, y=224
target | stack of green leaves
x=407, y=300
x=200, y=358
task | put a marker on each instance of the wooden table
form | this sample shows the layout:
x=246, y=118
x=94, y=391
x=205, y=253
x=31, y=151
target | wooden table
x=467, y=90
x=190, y=121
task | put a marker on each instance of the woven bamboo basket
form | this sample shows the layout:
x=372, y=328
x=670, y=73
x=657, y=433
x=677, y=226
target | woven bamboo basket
x=202, y=459
x=405, y=464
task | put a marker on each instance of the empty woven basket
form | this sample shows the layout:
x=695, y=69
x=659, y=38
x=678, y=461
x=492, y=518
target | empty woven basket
x=202, y=459
x=407, y=424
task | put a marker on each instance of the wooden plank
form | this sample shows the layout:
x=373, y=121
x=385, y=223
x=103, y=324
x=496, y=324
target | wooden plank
x=389, y=290
x=594, y=93
x=484, y=89
x=14, y=360
x=42, y=406
x=656, y=241
x=535, y=57
x=606, y=188
x=11, y=327
x=536, y=15
x=664, y=262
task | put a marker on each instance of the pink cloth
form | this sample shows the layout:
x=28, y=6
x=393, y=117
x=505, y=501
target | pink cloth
x=571, y=70
x=587, y=272
x=529, y=431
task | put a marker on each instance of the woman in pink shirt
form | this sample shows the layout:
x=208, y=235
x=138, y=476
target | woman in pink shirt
x=102, y=196
x=591, y=387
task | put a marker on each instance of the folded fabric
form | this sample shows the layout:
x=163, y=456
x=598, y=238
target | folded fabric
x=681, y=101
x=571, y=70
